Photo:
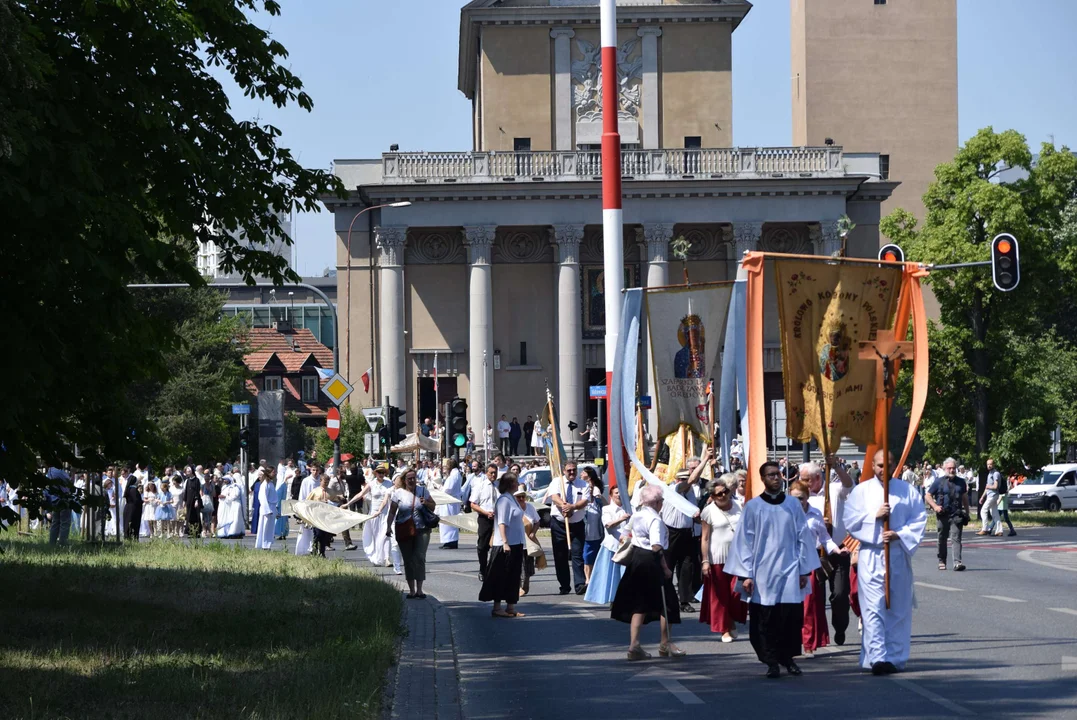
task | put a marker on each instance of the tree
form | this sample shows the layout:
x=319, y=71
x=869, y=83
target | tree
x=191, y=410
x=353, y=427
x=117, y=155
x=995, y=358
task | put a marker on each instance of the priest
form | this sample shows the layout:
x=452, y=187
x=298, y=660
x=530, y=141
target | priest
x=773, y=555
x=884, y=641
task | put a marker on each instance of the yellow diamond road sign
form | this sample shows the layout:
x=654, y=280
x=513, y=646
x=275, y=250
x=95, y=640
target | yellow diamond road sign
x=337, y=389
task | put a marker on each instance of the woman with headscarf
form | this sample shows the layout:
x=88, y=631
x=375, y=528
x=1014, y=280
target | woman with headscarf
x=192, y=506
x=267, y=511
x=646, y=593
x=229, y=510
x=721, y=607
x=132, y=511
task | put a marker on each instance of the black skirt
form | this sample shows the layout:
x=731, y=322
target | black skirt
x=645, y=590
x=502, y=583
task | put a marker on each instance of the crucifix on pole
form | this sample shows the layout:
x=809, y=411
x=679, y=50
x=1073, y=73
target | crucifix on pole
x=885, y=350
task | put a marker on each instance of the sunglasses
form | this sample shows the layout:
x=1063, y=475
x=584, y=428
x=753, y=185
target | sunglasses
x=721, y=493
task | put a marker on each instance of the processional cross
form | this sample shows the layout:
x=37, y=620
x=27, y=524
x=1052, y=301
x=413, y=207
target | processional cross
x=884, y=350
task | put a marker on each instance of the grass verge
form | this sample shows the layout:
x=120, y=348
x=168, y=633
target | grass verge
x=169, y=630
x=1023, y=518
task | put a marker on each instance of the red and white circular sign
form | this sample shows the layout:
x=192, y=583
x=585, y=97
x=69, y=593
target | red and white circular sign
x=332, y=423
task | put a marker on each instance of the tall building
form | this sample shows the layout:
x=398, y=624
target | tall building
x=879, y=76
x=495, y=268
x=208, y=259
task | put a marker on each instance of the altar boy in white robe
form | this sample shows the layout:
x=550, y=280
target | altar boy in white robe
x=774, y=555
x=267, y=513
x=451, y=484
x=884, y=641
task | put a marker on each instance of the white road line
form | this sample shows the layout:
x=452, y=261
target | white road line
x=933, y=697
x=1069, y=664
x=1004, y=599
x=940, y=587
x=1027, y=556
x=1068, y=611
x=586, y=613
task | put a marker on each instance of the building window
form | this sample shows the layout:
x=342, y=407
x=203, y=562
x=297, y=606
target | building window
x=884, y=167
x=310, y=388
x=522, y=146
x=692, y=145
x=880, y=2
x=272, y=382
x=693, y=142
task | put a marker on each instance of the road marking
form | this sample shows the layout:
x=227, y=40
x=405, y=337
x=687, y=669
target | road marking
x=1068, y=611
x=933, y=697
x=1027, y=556
x=586, y=613
x=1069, y=664
x=671, y=681
x=940, y=587
x=1004, y=599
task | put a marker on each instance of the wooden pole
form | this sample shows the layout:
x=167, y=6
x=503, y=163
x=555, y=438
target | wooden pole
x=886, y=477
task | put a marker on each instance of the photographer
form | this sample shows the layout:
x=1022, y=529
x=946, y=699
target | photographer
x=948, y=496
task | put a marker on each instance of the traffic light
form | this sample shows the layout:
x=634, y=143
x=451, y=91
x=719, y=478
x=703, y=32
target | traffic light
x=244, y=438
x=457, y=422
x=891, y=253
x=397, y=425
x=383, y=437
x=1005, y=262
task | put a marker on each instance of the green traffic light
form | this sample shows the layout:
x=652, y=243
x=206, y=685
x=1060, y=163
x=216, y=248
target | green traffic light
x=459, y=440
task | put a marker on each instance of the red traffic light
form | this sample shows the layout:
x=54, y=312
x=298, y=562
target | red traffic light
x=1004, y=246
x=891, y=253
x=890, y=256
x=1005, y=262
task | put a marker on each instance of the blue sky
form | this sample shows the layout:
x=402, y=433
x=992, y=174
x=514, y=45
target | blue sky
x=384, y=71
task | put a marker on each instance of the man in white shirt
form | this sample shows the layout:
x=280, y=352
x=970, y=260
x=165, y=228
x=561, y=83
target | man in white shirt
x=683, y=549
x=482, y=499
x=841, y=484
x=568, y=500
x=503, y=430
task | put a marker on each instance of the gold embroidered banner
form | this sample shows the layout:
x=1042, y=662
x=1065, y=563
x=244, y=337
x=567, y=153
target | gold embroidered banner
x=825, y=312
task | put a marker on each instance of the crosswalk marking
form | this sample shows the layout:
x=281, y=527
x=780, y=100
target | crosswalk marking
x=1068, y=611
x=939, y=587
x=1004, y=599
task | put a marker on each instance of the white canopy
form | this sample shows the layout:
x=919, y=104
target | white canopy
x=414, y=442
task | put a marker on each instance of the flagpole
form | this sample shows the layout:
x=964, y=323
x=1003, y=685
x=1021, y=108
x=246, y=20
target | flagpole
x=561, y=467
x=612, y=216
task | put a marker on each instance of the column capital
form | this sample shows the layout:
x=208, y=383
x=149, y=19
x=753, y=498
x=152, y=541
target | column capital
x=479, y=239
x=825, y=237
x=657, y=237
x=565, y=32
x=390, y=241
x=567, y=238
x=746, y=237
x=649, y=30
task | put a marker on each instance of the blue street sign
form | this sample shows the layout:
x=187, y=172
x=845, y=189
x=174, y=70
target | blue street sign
x=597, y=392
x=241, y=409
x=645, y=402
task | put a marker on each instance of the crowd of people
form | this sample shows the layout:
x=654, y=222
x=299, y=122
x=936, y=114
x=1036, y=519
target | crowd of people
x=772, y=564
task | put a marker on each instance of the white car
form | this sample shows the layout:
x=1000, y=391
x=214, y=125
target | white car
x=1053, y=488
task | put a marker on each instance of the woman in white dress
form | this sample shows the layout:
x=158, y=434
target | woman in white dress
x=380, y=549
x=229, y=511
x=449, y=535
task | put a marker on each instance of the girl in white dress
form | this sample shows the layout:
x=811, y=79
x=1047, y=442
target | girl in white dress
x=149, y=509
x=380, y=549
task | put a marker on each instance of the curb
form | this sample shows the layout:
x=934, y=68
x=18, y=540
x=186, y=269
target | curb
x=425, y=681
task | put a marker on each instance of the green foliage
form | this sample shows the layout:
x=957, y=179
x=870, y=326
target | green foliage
x=298, y=436
x=1001, y=363
x=118, y=153
x=353, y=427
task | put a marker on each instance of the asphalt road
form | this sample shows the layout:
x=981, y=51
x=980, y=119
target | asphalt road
x=999, y=640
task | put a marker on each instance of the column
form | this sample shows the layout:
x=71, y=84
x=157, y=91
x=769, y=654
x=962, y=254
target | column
x=562, y=87
x=746, y=237
x=656, y=236
x=478, y=239
x=391, y=352
x=825, y=237
x=569, y=329
x=650, y=86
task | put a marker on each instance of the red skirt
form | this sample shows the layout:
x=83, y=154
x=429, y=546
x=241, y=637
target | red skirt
x=721, y=606
x=815, y=633
x=854, y=591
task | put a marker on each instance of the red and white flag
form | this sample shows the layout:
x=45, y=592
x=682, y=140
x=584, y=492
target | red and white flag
x=366, y=379
x=435, y=378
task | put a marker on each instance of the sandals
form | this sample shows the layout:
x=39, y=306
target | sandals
x=670, y=650
x=500, y=614
x=942, y=566
x=637, y=653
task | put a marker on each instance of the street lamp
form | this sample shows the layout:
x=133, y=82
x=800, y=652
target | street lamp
x=348, y=282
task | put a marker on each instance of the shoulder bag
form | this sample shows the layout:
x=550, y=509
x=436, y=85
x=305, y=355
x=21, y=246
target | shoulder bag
x=426, y=519
x=406, y=530
x=624, y=550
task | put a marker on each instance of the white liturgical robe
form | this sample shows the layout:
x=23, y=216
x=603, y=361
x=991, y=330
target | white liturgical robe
x=887, y=633
x=451, y=486
x=773, y=547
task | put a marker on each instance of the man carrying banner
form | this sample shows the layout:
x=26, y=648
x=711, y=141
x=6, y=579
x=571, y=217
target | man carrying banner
x=884, y=642
x=773, y=555
x=569, y=503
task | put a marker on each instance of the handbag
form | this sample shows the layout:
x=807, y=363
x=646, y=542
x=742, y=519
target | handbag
x=624, y=550
x=426, y=519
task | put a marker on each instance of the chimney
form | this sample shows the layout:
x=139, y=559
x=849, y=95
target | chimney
x=282, y=326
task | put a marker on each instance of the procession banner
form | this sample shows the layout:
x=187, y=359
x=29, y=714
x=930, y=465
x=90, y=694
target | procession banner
x=687, y=327
x=326, y=517
x=551, y=441
x=825, y=311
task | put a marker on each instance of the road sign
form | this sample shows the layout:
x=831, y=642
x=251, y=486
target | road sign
x=241, y=409
x=645, y=402
x=598, y=392
x=332, y=424
x=370, y=443
x=375, y=417
x=337, y=389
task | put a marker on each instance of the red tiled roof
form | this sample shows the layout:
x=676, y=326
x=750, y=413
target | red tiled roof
x=264, y=343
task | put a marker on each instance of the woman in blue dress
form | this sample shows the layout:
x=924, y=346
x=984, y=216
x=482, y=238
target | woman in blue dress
x=606, y=574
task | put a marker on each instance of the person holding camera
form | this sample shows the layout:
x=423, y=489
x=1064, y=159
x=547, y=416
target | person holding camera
x=948, y=496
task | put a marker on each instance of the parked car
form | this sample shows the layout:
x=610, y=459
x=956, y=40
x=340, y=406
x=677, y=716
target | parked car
x=537, y=481
x=1053, y=488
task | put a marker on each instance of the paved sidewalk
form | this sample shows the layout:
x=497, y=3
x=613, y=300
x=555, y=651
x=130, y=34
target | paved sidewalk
x=427, y=684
